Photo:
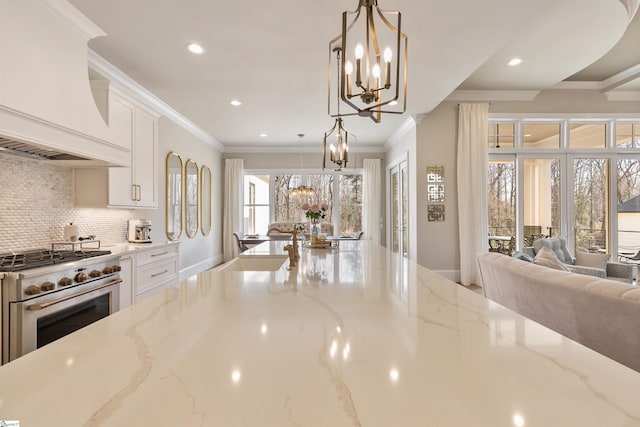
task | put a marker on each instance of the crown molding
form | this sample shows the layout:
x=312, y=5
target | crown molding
x=492, y=95
x=71, y=15
x=623, y=95
x=128, y=85
x=405, y=127
x=289, y=149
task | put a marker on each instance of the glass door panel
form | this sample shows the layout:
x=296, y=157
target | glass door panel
x=628, y=205
x=502, y=197
x=590, y=204
x=399, y=209
x=541, y=197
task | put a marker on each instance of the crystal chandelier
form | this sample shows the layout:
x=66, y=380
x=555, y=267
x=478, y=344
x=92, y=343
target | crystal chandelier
x=380, y=80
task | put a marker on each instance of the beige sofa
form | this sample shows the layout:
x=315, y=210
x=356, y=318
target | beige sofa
x=325, y=227
x=599, y=313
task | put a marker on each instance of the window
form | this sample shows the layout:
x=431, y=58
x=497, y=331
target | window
x=558, y=180
x=256, y=204
x=541, y=135
x=502, y=197
x=501, y=135
x=268, y=198
x=628, y=135
x=628, y=203
x=286, y=208
x=350, y=204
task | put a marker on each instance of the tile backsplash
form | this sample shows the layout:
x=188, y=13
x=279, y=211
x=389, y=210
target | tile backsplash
x=37, y=201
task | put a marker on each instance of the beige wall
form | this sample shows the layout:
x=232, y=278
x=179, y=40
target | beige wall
x=199, y=252
x=438, y=242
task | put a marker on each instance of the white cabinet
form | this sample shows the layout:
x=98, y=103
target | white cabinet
x=126, y=287
x=136, y=129
x=155, y=269
x=136, y=186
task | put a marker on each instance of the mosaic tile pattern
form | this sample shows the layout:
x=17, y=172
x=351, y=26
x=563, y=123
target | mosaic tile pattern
x=37, y=200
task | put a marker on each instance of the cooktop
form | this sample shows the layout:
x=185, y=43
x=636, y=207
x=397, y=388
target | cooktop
x=19, y=261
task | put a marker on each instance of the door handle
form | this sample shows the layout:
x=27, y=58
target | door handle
x=34, y=307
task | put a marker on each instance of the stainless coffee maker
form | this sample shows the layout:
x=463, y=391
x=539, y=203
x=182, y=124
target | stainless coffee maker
x=139, y=231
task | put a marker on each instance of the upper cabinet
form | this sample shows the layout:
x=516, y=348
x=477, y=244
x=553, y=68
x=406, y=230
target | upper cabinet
x=136, y=129
x=136, y=186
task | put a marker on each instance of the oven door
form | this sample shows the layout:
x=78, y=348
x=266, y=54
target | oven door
x=37, y=322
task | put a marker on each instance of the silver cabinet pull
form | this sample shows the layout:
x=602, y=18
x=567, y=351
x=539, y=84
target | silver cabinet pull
x=133, y=192
x=34, y=307
x=159, y=274
x=162, y=253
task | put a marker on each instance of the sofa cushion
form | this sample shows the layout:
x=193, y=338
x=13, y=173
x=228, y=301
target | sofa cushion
x=559, y=247
x=522, y=256
x=588, y=259
x=547, y=258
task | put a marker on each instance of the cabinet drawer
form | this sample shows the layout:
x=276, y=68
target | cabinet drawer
x=154, y=274
x=157, y=254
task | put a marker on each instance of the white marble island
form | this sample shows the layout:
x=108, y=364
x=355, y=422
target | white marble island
x=351, y=337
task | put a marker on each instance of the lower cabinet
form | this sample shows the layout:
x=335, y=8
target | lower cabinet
x=155, y=269
x=126, y=287
x=147, y=271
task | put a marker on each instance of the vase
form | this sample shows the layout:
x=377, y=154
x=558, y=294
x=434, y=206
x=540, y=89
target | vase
x=314, y=231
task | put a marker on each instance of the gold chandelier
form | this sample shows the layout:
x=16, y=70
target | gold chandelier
x=380, y=79
x=339, y=153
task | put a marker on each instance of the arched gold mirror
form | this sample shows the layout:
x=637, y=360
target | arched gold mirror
x=173, y=208
x=205, y=200
x=191, y=190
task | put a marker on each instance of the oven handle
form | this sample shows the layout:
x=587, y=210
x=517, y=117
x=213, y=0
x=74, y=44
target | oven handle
x=34, y=307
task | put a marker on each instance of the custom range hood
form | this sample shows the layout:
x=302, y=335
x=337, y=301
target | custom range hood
x=47, y=110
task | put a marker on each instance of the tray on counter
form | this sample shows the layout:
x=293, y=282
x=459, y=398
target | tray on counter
x=333, y=244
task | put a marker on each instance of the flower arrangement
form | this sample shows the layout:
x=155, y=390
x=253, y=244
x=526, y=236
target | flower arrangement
x=315, y=212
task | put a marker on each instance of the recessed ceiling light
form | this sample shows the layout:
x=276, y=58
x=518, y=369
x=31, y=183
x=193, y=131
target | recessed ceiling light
x=515, y=61
x=393, y=103
x=263, y=135
x=235, y=103
x=195, y=48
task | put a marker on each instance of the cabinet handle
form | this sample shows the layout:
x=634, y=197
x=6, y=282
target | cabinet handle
x=138, y=193
x=133, y=192
x=161, y=253
x=159, y=274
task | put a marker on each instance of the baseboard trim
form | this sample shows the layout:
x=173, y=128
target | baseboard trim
x=449, y=274
x=200, y=267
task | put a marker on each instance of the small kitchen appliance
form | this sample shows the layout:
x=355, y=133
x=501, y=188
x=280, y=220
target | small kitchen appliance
x=139, y=231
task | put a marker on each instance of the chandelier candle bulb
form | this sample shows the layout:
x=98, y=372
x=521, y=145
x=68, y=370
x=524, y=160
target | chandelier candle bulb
x=359, y=53
x=388, y=55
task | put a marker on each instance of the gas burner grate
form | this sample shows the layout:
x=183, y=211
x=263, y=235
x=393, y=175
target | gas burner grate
x=43, y=257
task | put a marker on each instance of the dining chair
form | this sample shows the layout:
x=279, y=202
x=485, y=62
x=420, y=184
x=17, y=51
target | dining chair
x=241, y=245
x=629, y=257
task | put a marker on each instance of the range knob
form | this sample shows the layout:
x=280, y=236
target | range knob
x=107, y=270
x=81, y=277
x=116, y=268
x=32, y=290
x=95, y=273
x=65, y=281
x=47, y=286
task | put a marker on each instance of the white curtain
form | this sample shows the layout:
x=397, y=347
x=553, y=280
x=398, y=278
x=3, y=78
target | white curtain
x=372, y=194
x=232, y=213
x=472, y=188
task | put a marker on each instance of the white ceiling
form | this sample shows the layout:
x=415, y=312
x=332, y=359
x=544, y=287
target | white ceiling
x=273, y=56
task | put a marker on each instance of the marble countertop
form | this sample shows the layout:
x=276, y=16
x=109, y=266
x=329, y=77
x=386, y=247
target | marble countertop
x=129, y=248
x=352, y=337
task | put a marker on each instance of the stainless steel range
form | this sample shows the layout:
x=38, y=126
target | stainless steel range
x=47, y=294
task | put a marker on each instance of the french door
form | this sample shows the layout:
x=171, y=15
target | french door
x=399, y=203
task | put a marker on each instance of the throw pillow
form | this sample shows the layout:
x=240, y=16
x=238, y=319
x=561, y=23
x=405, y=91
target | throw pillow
x=559, y=247
x=547, y=258
x=522, y=256
x=588, y=259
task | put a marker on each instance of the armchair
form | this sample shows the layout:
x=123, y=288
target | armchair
x=586, y=263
